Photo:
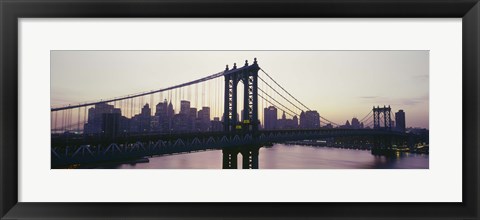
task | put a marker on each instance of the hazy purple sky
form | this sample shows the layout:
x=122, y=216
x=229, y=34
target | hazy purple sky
x=338, y=84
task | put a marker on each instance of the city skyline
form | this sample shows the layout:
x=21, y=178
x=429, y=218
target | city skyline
x=162, y=117
x=105, y=73
x=108, y=120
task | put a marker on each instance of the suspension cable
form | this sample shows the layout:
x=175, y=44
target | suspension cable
x=366, y=116
x=213, y=76
x=284, y=89
x=331, y=122
x=280, y=94
x=289, y=95
x=277, y=102
x=275, y=105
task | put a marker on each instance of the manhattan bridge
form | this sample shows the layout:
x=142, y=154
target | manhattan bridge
x=124, y=128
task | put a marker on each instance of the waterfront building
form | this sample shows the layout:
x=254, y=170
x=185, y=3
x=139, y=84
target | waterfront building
x=204, y=119
x=163, y=116
x=111, y=124
x=400, y=119
x=95, y=122
x=216, y=124
x=270, y=118
x=286, y=123
x=181, y=123
x=185, y=107
x=309, y=120
x=142, y=122
x=355, y=123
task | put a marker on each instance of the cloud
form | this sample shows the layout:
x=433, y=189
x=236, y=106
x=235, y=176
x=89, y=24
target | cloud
x=409, y=102
x=369, y=97
x=379, y=100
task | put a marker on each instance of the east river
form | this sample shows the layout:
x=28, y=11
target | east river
x=281, y=156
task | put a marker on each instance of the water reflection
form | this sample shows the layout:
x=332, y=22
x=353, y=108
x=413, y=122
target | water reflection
x=282, y=156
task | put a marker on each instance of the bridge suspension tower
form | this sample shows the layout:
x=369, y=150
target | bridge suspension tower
x=248, y=75
x=380, y=113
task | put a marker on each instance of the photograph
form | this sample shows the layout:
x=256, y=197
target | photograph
x=235, y=109
x=318, y=109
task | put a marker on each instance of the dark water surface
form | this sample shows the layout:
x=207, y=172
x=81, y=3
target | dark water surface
x=282, y=156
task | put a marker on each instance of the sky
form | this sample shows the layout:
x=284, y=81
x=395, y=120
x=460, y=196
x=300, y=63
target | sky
x=340, y=85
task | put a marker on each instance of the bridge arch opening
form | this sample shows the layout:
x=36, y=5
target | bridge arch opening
x=240, y=160
x=240, y=101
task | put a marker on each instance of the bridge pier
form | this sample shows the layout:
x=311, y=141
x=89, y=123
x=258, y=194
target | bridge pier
x=249, y=158
x=230, y=158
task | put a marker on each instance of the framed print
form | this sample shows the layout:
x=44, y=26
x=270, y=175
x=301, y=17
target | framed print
x=123, y=109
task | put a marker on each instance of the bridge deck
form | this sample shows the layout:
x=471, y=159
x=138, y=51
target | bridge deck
x=93, y=149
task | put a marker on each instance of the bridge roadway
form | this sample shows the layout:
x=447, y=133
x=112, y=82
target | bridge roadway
x=79, y=149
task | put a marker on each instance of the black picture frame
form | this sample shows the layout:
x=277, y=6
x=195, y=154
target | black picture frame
x=12, y=10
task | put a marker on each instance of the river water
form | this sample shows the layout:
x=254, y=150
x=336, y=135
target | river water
x=281, y=156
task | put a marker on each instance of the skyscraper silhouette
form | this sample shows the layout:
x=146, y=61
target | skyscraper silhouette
x=400, y=120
